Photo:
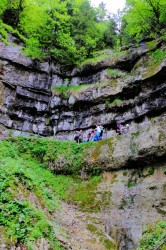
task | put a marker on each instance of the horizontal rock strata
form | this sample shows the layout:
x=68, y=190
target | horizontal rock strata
x=48, y=99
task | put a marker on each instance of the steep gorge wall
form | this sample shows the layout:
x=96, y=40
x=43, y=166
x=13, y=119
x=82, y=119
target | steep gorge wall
x=126, y=87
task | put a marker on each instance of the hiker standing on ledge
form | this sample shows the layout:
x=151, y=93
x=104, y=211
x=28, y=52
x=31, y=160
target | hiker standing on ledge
x=79, y=136
x=97, y=136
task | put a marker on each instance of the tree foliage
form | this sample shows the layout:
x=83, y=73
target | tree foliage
x=70, y=31
x=145, y=18
x=67, y=31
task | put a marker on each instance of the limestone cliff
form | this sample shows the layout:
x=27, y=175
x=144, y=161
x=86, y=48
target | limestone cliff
x=49, y=99
x=46, y=99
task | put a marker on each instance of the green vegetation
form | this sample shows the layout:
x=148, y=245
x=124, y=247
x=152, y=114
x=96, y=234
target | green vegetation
x=151, y=44
x=107, y=243
x=66, y=157
x=115, y=102
x=100, y=58
x=67, y=31
x=112, y=72
x=84, y=195
x=143, y=18
x=150, y=171
x=154, y=119
x=131, y=183
x=158, y=56
x=125, y=173
x=153, y=62
x=96, y=59
x=98, y=150
x=23, y=221
x=6, y=29
x=30, y=194
x=71, y=31
x=66, y=91
x=154, y=237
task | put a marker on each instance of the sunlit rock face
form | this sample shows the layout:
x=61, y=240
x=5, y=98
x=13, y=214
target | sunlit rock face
x=48, y=99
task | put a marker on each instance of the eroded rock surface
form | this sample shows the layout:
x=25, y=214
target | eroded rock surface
x=123, y=87
x=129, y=88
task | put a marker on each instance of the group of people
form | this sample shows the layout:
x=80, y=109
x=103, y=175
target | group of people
x=94, y=135
x=97, y=133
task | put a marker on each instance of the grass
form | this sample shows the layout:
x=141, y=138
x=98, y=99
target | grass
x=101, y=52
x=23, y=175
x=96, y=59
x=84, y=194
x=112, y=72
x=154, y=119
x=115, y=102
x=131, y=184
x=22, y=220
x=153, y=237
x=154, y=61
x=151, y=44
x=66, y=91
x=53, y=153
x=100, y=58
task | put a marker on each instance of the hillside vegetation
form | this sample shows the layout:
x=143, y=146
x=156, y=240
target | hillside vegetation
x=30, y=194
x=71, y=31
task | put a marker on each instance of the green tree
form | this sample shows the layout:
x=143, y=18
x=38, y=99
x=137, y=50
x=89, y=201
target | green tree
x=46, y=25
x=145, y=17
x=83, y=27
x=110, y=33
x=66, y=31
x=3, y=6
x=12, y=11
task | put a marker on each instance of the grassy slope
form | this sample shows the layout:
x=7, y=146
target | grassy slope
x=22, y=175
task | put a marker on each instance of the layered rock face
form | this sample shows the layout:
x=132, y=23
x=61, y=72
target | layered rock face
x=128, y=87
x=48, y=99
x=24, y=90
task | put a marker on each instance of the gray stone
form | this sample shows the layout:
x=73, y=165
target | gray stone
x=56, y=81
x=72, y=100
x=108, y=98
x=55, y=101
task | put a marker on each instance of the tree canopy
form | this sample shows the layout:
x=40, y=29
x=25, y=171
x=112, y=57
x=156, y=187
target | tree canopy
x=145, y=18
x=69, y=31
